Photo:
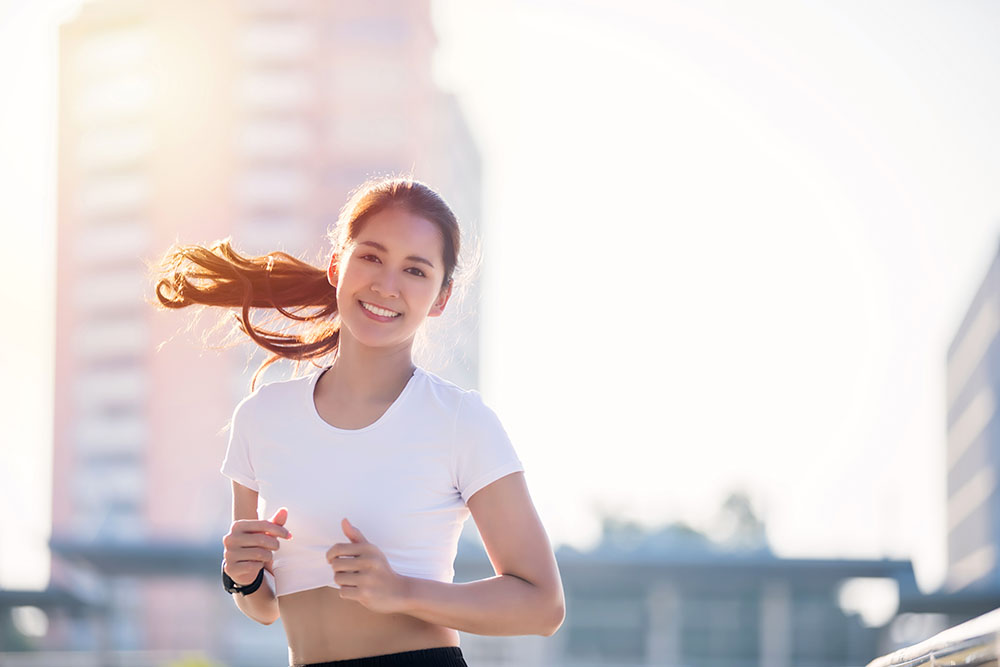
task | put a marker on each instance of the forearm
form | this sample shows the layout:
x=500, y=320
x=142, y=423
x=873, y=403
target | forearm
x=501, y=605
x=261, y=605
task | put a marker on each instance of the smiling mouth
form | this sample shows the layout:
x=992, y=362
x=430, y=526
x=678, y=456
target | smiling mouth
x=378, y=310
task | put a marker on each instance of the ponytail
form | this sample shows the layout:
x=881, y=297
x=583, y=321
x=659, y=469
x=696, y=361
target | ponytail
x=219, y=276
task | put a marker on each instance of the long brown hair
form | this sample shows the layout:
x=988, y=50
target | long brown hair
x=192, y=275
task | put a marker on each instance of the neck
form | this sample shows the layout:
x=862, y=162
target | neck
x=370, y=373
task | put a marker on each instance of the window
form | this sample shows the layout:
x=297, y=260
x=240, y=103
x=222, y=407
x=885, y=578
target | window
x=119, y=386
x=275, y=138
x=113, y=289
x=277, y=88
x=114, y=51
x=111, y=195
x=273, y=187
x=114, y=146
x=117, y=97
x=275, y=40
x=608, y=628
x=372, y=77
x=380, y=31
x=113, y=243
x=720, y=627
x=111, y=438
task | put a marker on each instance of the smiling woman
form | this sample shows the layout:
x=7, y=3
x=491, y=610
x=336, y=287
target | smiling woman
x=351, y=485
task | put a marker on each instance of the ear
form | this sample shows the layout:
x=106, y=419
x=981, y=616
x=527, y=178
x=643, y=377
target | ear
x=441, y=301
x=331, y=271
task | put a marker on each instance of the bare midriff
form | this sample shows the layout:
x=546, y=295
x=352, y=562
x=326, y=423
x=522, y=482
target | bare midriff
x=321, y=626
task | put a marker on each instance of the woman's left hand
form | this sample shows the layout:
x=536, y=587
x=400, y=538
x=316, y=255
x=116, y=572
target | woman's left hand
x=364, y=574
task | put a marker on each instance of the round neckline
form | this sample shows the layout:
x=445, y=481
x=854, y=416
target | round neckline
x=385, y=415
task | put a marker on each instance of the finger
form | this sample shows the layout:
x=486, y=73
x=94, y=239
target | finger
x=347, y=579
x=344, y=549
x=264, y=541
x=256, y=554
x=280, y=517
x=245, y=540
x=352, y=532
x=348, y=564
x=259, y=526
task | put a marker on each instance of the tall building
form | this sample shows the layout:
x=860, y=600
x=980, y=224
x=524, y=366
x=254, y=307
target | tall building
x=973, y=451
x=188, y=122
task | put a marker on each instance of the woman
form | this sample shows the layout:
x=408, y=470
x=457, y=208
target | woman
x=367, y=469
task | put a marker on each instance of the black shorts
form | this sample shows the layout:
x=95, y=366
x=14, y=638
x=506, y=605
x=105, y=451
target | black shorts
x=442, y=656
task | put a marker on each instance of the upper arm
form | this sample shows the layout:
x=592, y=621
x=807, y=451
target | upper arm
x=513, y=534
x=244, y=502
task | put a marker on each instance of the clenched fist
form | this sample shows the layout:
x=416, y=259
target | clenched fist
x=251, y=544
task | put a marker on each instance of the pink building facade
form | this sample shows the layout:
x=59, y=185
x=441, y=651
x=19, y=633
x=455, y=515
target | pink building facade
x=189, y=122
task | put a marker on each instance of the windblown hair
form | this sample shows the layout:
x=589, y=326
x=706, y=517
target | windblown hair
x=295, y=290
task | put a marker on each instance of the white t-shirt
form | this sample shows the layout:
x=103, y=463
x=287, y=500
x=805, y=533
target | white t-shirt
x=403, y=480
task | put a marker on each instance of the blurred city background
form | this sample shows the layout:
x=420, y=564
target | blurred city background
x=738, y=305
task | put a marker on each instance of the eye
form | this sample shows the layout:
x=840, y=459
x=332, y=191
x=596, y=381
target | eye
x=417, y=272
x=371, y=258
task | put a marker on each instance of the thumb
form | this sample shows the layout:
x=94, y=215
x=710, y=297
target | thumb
x=280, y=517
x=352, y=533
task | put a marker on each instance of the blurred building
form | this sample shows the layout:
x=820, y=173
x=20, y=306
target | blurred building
x=188, y=121
x=973, y=449
x=671, y=599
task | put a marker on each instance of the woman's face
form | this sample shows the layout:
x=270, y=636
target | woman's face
x=389, y=277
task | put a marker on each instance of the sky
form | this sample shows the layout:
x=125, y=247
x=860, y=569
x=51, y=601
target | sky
x=726, y=247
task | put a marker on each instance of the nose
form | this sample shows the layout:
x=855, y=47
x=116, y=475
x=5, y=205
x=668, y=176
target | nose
x=385, y=285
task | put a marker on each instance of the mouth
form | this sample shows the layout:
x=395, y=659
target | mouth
x=378, y=312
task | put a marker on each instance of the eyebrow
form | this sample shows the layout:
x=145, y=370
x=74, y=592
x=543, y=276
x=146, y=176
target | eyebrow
x=412, y=258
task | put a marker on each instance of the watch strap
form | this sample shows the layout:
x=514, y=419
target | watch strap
x=232, y=587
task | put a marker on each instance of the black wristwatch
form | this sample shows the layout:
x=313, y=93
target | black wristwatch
x=233, y=587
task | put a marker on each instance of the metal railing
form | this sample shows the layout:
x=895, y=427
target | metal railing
x=975, y=643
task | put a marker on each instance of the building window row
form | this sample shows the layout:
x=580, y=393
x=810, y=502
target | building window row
x=113, y=195
x=278, y=138
x=117, y=289
x=970, y=497
x=980, y=334
x=274, y=188
x=120, y=97
x=276, y=88
x=111, y=438
x=124, y=145
x=97, y=387
x=262, y=233
x=114, y=52
x=113, y=342
x=968, y=426
x=374, y=77
x=277, y=40
x=118, y=244
x=608, y=628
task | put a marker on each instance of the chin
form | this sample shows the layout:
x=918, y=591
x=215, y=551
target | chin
x=377, y=339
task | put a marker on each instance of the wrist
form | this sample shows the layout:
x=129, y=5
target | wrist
x=232, y=587
x=408, y=594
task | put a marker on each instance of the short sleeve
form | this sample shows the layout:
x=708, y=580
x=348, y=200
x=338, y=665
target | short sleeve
x=483, y=452
x=237, y=464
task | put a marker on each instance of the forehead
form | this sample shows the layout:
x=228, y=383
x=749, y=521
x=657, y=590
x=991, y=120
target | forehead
x=399, y=229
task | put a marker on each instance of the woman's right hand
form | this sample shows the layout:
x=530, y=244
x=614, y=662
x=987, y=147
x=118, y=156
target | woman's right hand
x=250, y=544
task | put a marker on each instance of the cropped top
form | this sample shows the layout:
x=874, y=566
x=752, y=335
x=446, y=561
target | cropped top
x=403, y=480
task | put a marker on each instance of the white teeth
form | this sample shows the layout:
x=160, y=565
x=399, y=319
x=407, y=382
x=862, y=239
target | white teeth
x=378, y=311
